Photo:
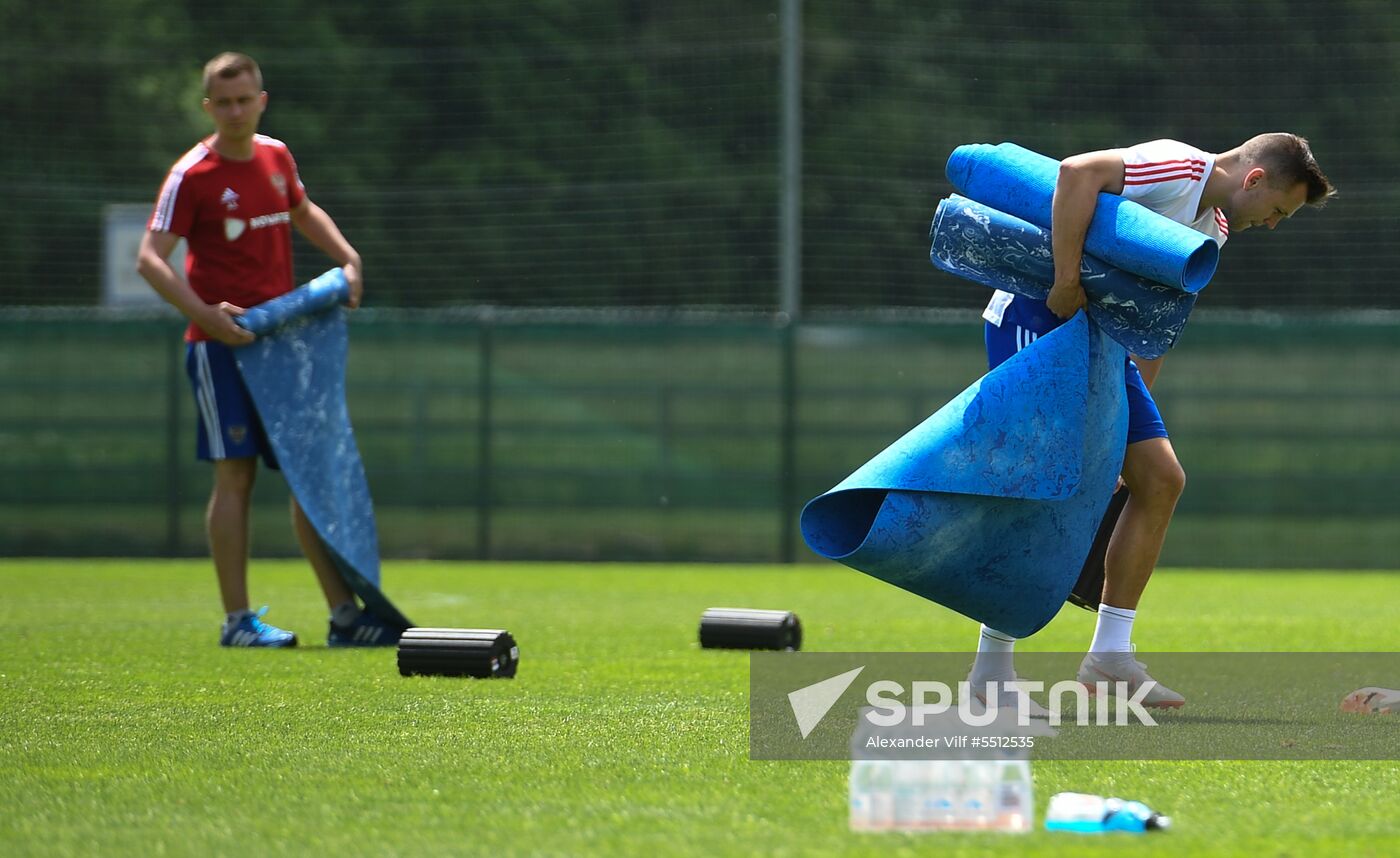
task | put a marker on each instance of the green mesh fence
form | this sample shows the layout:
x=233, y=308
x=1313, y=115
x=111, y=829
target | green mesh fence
x=681, y=440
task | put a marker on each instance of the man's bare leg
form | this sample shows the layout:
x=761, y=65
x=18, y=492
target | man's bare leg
x=226, y=523
x=327, y=575
x=1155, y=479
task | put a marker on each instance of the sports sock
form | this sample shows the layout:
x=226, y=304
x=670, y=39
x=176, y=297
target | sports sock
x=345, y=613
x=994, y=654
x=1114, y=632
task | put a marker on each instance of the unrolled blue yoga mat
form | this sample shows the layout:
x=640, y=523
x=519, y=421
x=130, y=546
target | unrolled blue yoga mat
x=995, y=249
x=295, y=371
x=989, y=507
x=1123, y=233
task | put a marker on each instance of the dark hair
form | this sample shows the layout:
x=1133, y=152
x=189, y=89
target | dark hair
x=1288, y=160
x=230, y=65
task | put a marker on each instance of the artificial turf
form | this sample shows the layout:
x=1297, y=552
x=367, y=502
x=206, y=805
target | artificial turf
x=125, y=729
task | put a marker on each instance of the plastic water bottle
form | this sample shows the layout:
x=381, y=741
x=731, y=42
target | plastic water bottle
x=1092, y=814
x=908, y=795
x=862, y=802
x=882, y=796
x=978, y=793
x=1015, y=803
x=940, y=796
x=872, y=795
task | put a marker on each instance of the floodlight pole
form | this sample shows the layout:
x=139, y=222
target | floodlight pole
x=790, y=268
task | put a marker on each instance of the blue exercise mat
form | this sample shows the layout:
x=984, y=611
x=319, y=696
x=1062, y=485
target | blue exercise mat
x=995, y=249
x=990, y=506
x=295, y=371
x=1123, y=233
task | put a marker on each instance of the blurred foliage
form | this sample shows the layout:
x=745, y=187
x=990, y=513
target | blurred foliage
x=603, y=153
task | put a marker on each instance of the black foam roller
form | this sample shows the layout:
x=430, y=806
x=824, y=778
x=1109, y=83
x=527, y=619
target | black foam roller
x=483, y=653
x=746, y=628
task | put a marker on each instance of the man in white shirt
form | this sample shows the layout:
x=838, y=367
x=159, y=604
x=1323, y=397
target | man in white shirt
x=1259, y=183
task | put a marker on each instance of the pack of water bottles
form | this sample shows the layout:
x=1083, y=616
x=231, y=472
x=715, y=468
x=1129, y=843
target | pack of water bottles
x=973, y=778
x=941, y=795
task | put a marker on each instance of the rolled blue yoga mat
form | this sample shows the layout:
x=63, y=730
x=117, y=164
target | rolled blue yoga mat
x=329, y=290
x=295, y=371
x=1123, y=233
x=990, y=505
x=995, y=249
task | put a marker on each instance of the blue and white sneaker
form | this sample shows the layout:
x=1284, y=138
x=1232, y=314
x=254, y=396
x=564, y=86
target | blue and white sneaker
x=366, y=630
x=252, y=631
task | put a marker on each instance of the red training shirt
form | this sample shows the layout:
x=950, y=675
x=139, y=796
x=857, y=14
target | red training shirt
x=236, y=218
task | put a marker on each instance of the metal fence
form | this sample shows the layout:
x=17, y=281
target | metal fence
x=678, y=438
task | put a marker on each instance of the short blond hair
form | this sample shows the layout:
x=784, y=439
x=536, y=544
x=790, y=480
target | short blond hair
x=230, y=65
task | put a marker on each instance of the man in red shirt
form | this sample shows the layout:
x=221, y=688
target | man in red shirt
x=234, y=198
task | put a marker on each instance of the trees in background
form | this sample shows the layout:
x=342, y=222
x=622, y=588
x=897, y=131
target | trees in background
x=554, y=152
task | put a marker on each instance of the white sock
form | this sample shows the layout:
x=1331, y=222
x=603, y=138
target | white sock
x=994, y=654
x=1114, y=632
x=345, y=613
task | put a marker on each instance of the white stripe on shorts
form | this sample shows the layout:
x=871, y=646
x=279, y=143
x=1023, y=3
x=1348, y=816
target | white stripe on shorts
x=208, y=403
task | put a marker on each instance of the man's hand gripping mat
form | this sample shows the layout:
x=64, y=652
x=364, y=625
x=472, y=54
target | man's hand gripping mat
x=996, y=249
x=990, y=506
x=295, y=372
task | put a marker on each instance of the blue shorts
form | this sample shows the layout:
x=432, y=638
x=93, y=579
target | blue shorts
x=228, y=423
x=1026, y=320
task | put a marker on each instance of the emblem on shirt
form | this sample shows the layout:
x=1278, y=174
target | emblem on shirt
x=279, y=182
x=229, y=198
x=233, y=227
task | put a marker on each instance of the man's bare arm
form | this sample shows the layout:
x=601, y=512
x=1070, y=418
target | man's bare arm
x=318, y=227
x=1081, y=179
x=216, y=320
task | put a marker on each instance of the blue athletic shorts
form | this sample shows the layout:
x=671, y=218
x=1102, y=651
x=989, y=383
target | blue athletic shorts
x=228, y=423
x=1026, y=320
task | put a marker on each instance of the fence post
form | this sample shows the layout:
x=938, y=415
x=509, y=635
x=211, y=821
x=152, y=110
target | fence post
x=172, y=445
x=789, y=263
x=787, y=444
x=663, y=430
x=419, y=457
x=483, y=442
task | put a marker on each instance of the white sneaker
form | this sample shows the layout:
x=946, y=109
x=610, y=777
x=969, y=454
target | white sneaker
x=1372, y=701
x=1007, y=698
x=1115, y=667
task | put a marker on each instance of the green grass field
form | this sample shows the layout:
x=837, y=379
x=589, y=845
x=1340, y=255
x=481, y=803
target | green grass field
x=124, y=729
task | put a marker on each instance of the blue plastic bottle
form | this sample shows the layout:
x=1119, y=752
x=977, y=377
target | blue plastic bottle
x=1092, y=814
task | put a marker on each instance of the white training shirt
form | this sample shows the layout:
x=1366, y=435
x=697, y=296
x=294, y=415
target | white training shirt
x=1166, y=176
